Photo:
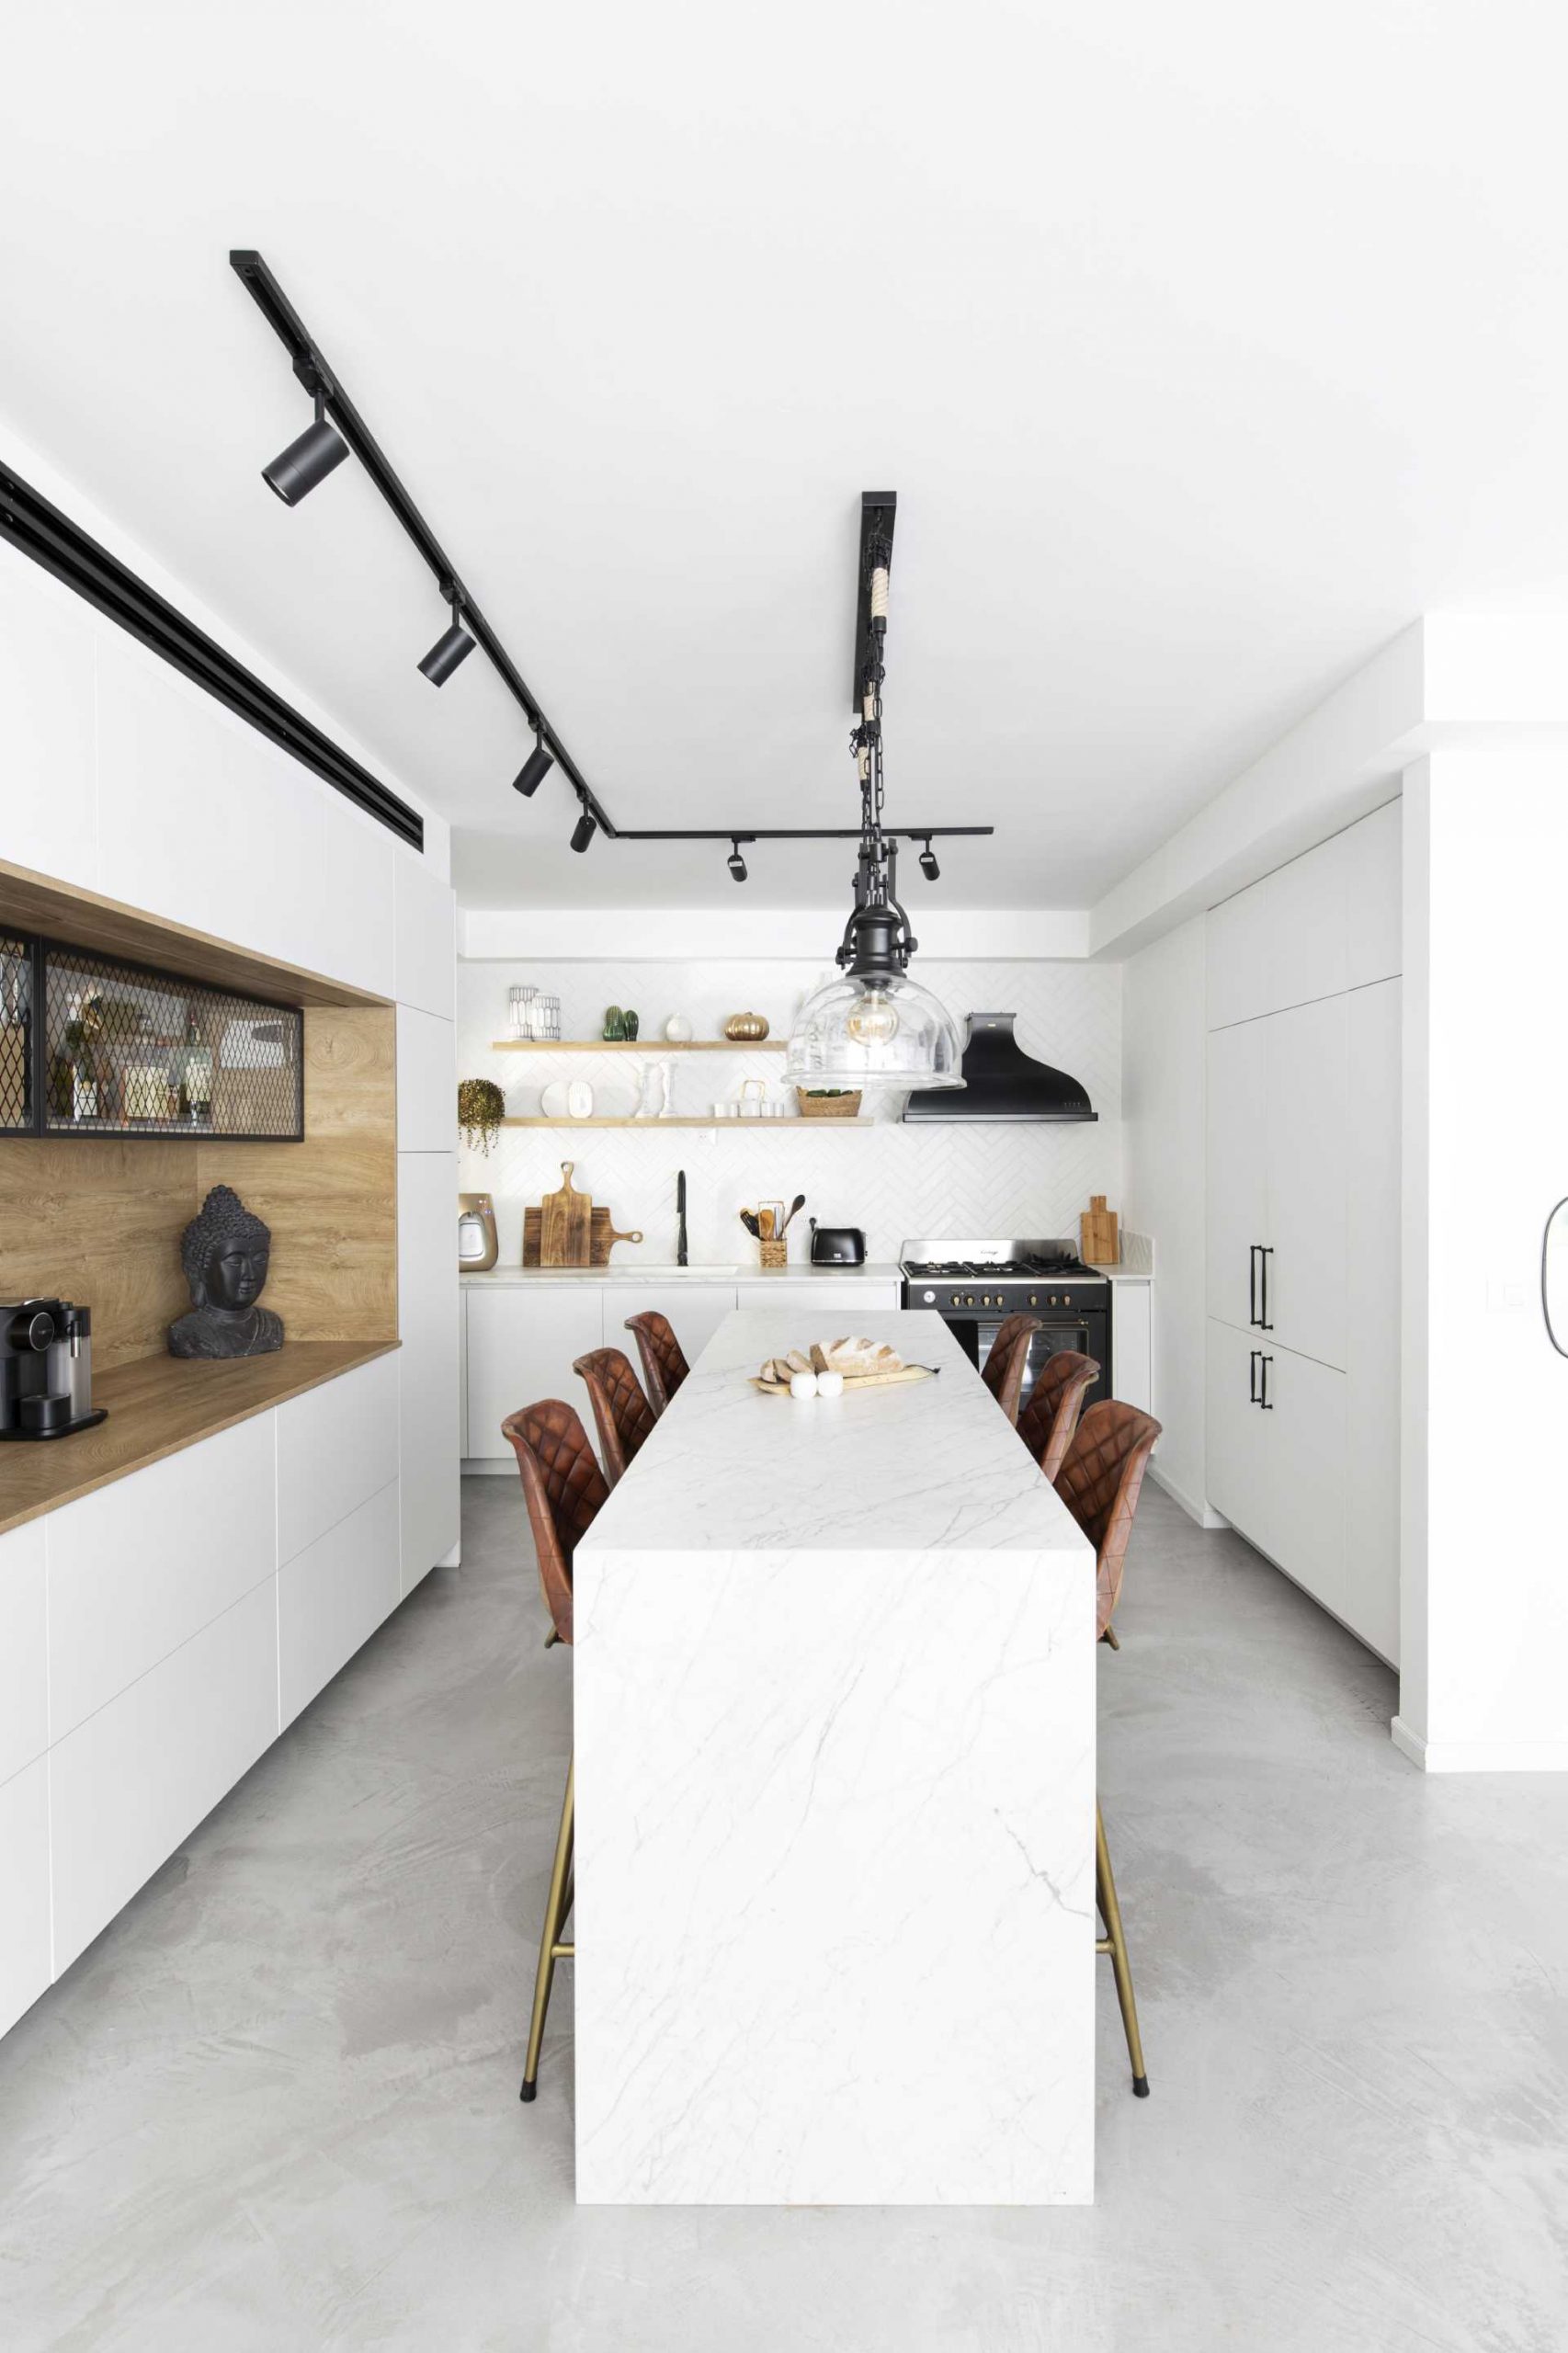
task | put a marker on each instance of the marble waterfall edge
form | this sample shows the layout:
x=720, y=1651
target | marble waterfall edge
x=835, y=1803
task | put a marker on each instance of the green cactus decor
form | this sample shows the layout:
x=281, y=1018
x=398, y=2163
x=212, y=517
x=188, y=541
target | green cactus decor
x=615, y=1025
x=631, y=1024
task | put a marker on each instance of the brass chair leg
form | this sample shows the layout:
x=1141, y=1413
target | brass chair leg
x=1114, y=1942
x=1109, y=1636
x=550, y=1948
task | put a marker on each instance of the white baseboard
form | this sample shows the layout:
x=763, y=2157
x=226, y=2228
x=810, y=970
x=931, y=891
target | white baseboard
x=1204, y=1513
x=1479, y=1755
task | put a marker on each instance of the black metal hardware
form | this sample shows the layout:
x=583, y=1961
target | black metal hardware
x=106, y=1047
x=1252, y=1249
x=1265, y=1252
x=1264, y=1400
x=876, y=510
x=1252, y=1398
x=42, y=531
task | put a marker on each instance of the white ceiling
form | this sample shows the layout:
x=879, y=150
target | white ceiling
x=1204, y=346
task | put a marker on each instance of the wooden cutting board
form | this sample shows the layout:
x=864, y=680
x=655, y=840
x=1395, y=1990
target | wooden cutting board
x=566, y=1224
x=603, y=1235
x=856, y=1381
x=1100, y=1238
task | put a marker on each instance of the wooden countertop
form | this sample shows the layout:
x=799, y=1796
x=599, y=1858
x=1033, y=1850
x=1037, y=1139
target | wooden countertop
x=157, y=1406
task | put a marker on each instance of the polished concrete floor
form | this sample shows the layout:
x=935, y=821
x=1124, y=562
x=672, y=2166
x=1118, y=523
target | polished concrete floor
x=274, y=2105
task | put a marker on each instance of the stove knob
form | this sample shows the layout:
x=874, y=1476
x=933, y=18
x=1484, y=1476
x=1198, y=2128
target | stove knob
x=928, y=1298
x=1053, y=1298
x=969, y=1299
x=1034, y=1299
x=956, y=1300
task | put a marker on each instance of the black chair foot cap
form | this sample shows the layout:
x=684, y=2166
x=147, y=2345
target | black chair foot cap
x=529, y=2090
x=1140, y=2088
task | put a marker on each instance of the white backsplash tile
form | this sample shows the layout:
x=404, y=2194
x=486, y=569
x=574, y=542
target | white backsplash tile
x=895, y=1181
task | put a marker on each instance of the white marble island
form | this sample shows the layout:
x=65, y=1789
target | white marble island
x=835, y=1685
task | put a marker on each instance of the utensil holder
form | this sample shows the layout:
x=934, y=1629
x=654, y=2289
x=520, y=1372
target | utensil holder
x=774, y=1254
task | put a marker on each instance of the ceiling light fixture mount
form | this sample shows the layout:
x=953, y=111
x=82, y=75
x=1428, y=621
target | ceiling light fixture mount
x=874, y=1027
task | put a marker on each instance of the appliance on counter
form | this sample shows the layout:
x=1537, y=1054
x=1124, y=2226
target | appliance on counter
x=477, y=1245
x=1001, y=1082
x=46, y=1370
x=974, y=1285
x=838, y=1246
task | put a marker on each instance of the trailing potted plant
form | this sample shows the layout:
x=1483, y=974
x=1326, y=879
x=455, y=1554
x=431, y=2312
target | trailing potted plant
x=481, y=1107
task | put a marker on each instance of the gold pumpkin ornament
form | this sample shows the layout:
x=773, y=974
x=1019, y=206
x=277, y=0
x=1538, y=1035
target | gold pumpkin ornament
x=745, y=1029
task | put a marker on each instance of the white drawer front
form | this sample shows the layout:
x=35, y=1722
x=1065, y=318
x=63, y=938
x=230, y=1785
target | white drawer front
x=133, y=1781
x=840, y=1294
x=23, y=1891
x=138, y=1568
x=333, y=1597
x=336, y=1447
x=24, y=1649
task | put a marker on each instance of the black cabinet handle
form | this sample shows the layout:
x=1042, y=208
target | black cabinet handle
x=1265, y=1252
x=1252, y=1249
x=1266, y=1401
x=1252, y=1397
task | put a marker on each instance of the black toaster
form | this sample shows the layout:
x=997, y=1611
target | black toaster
x=838, y=1246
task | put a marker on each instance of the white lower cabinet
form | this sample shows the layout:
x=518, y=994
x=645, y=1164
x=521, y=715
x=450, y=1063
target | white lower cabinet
x=429, y=1400
x=695, y=1312
x=336, y=1446
x=820, y=1293
x=1277, y=1456
x=25, y=1963
x=332, y=1597
x=521, y=1343
x=24, y=1651
x=136, y=1777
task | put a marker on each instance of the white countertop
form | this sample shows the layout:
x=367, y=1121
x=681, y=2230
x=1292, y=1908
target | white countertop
x=931, y=1467
x=637, y=1270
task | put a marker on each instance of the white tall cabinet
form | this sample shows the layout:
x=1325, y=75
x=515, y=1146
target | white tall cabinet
x=1303, y=1113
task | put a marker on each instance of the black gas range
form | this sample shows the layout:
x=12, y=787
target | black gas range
x=974, y=1286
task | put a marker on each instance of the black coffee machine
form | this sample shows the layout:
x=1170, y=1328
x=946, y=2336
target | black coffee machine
x=46, y=1370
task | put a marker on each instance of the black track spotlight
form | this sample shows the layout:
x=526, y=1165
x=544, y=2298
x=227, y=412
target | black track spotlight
x=583, y=832
x=928, y=865
x=308, y=460
x=453, y=645
x=535, y=769
x=736, y=863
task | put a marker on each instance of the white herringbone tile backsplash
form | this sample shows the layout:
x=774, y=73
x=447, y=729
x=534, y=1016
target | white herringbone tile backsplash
x=895, y=1181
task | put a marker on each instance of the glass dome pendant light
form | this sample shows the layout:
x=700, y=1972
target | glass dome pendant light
x=873, y=1027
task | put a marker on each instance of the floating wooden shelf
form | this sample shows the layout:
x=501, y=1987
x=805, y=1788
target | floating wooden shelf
x=816, y=1126
x=641, y=1045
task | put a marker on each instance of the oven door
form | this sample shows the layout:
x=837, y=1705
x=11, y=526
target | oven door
x=1088, y=1333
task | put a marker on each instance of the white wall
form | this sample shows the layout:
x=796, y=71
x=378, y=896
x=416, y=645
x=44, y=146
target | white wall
x=1163, y=1127
x=895, y=1181
x=1484, y=1564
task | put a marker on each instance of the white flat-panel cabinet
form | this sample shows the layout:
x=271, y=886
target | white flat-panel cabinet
x=1303, y=1412
x=24, y=1651
x=1308, y=1159
x=25, y=1959
x=336, y=1446
x=521, y=1343
x=426, y=1084
x=136, y=1777
x=820, y=1294
x=1237, y=1186
x=1306, y=927
x=1237, y=949
x=1237, y=1474
x=428, y=1365
x=138, y=1568
x=426, y=962
x=1372, y=1356
x=46, y=693
x=1374, y=950
x=695, y=1312
x=332, y=1597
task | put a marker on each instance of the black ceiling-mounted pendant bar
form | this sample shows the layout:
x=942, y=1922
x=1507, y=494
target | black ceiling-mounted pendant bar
x=52, y=539
x=321, y=382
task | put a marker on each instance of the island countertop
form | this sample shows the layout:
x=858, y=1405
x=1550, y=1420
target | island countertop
x=834, y=1679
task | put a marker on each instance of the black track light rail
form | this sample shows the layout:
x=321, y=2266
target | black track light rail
x=54, y=540
x=321, y=382
x=318, y=376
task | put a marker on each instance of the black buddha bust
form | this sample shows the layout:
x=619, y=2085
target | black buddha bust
x=224, y=1251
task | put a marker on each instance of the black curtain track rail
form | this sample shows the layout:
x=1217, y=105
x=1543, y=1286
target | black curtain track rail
x=52, y=539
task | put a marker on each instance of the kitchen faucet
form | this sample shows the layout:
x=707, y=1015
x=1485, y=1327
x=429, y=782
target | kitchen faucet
x=680, y=1213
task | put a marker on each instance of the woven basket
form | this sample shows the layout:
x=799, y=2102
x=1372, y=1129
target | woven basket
x=828, y=1106
x=772, y=1255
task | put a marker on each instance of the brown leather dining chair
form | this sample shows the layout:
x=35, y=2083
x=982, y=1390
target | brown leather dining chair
x=1099, y=1482
x=564, y=1488
x=1049, y=1420
x=623, y=1416
x=663, y=1361
x=1003, y=1371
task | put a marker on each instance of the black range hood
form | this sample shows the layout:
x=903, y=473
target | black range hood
x=1001, y=1081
